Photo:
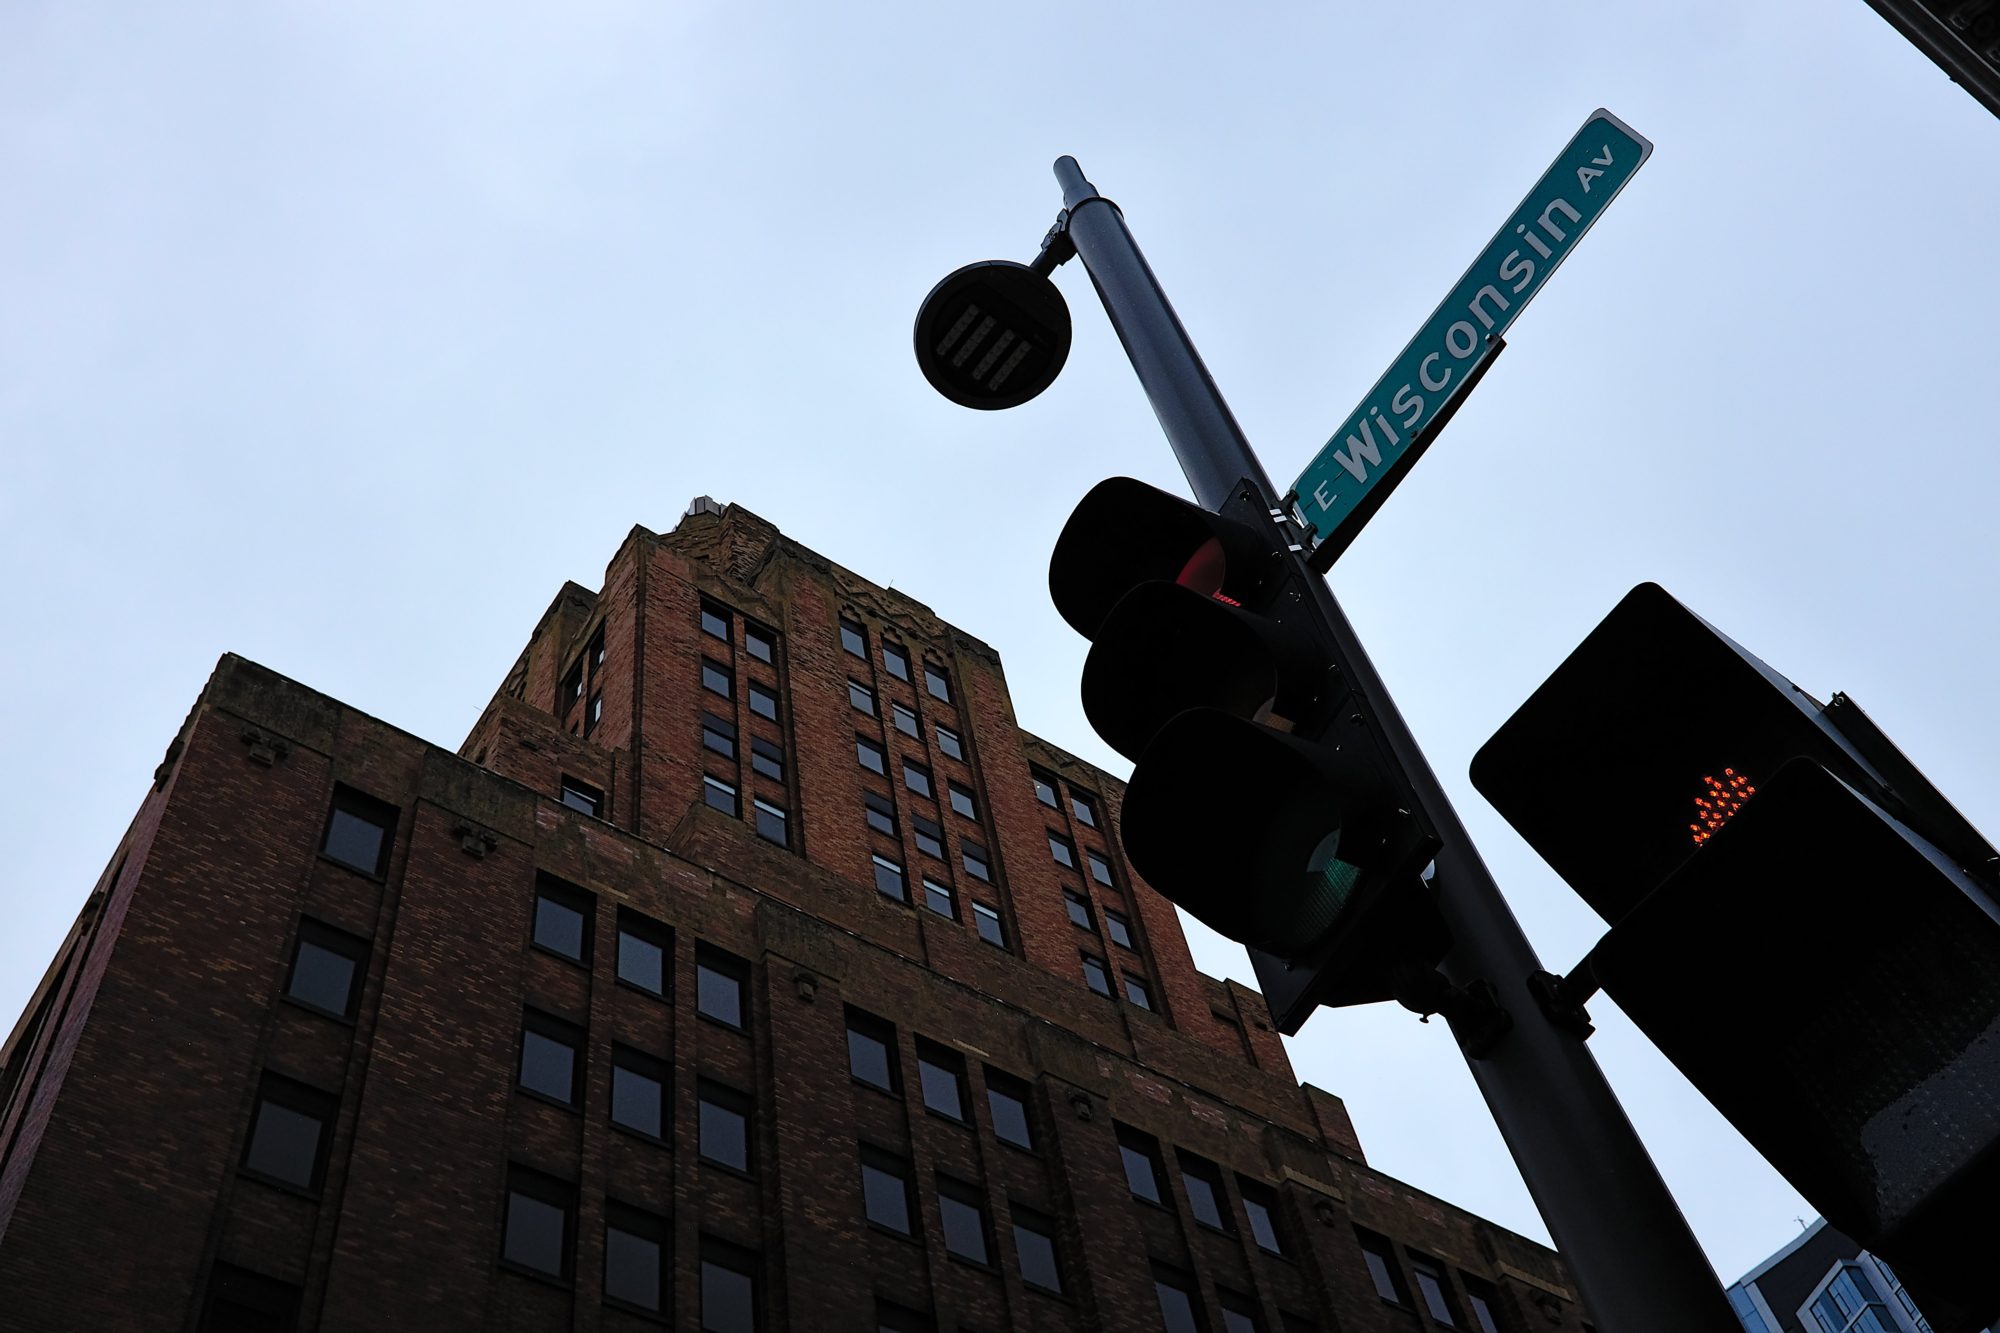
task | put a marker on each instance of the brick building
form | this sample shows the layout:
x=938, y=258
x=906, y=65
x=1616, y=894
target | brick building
x=735, y=973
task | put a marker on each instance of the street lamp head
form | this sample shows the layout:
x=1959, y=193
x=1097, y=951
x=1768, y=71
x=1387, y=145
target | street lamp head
x=994, y=334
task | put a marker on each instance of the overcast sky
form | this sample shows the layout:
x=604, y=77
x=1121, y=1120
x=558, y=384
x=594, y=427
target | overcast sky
x=338, y=335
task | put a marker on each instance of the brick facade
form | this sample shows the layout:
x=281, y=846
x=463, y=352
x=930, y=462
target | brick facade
x=147, y=1093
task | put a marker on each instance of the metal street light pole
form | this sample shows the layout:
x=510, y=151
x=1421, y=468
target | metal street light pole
x=1612, y=1217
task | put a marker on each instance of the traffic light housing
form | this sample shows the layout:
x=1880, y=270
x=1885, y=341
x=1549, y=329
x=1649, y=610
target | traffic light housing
x=1799, y=921
x=1261, y=800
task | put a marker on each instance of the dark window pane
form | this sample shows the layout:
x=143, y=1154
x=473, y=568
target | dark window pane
x=357, y=831
x=961, y=801
x=1060, y=849
x=560, y=924
x=1095, y=976
x=240, y=1301
x=1176, y=1306
x=537, y=1233
x=631, y=1267
x=1045, y=790
x=1034, y=1241
x=937, y=897
x=594, y=713
x=767, y=758
x=917, y=778
x=715, y=620
x=1100, y=869
x=943, y=1091
x=636, y=1098
x=718, y=735
x=1140, y=1174
x=1482, y=1311
x=1084, y=809
x=853, y=638
x=548, y=1065
x=326, y=968
x=906, y=721
x=1238, y=1314
x=889, y=879
x=930, y=836
x=988, y=921
x=1431, y=1286
x=974, y=857
x=763, y=701
x=1380, y=1256
x=1136, y=992
x=728, y=1297
x=581, y=796
x=642, y=962
x=771, y=823
x=1203, y=1197
x=934, y=681
x=1263, y=1224
x=881, y=813
x=1120, y=932
x=1009, y=1107
x=896, y=661
x=861, y=697
x=885, y=1192
x=949, y=744
x=870, y=756
x=719, y=992
x=870, y=1056
x=725, y=1129
x=1079, y=910
x=964, y=1222
x=717, y=679
x=285, y=1144
x=760, y=643
x=719, y=795
x=594, y=654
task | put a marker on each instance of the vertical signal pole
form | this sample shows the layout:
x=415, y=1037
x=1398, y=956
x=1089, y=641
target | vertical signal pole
x=1610, y=1214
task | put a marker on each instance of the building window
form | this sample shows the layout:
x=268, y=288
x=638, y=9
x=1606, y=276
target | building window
x=720, y=795
x=949, y=744
x=767, y=759
x=289, y=1133
x=594, y=713
x=918, y=779
x=763, y=700
x=718, y=679
x=539, y=1211
x=358, y=830
x=578, y=795
x=973, y=855
x=719, y=983
x=885, y=1189
x=1136, y=991
x=1204, y=1191
x=930, y=836
x=1084, y=808
x=1174, y=1289
x=893, y=1318
x=942, y=1077
x=714, y=620
x=571, y=691
x=1239, y=1312
x=594, y=654
x=889, y=879
x=1079, y=910
x=1142, y=1170
x=871, y=756
x=725, y=1126
x=551, y=1053
x=1484, y=1300
x=987, y=919
x=871, y=1051
x=240, y=1301
x=1060, y=849
x=853, y=638
x=633, y=1245
x=936, y=684
x=562, y=919
x=962, y=1209
x=861, y=697
x=1380, y=1256
x=327, y=967
x=638, y=1092
x=759, y=642
x=961, y=800
x=1100, y=869
x=905, y=718
x=771, y=823
x=1118, y=928
x=643, y=949
x=937, y=897
x=1045, y=789
x=1094, y=974
x=718, y=735
x=881, y=812
x=1431, y=1284
x=728, y=1288
x=1035, y=1244
x=1007, y=1103
x=895, y=660
x=1261, y=1206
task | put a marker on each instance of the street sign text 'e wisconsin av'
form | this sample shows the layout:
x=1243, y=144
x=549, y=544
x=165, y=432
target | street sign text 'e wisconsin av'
x=1353, y=474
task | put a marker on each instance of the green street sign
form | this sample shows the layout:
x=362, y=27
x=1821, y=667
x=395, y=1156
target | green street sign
x=1376, y=446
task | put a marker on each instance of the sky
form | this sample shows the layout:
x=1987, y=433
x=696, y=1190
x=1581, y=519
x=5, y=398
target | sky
x=339, y=335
